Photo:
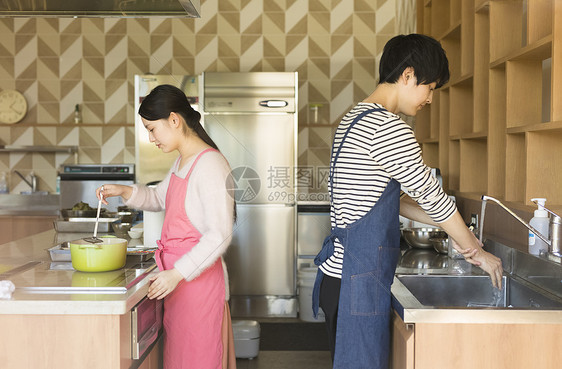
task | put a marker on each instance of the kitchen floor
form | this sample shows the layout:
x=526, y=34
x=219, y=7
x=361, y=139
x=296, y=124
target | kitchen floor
x=290, y=343
x=287, y=360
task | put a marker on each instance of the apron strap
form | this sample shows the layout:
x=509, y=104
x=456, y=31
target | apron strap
x=337, y=154
x=196, y=160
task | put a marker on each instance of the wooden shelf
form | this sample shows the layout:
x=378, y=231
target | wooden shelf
x=499, y=119
x=475, y=136
x=467, y=37
x=13, y=148
x=506, y=27
x=467, y=78
x=538, y=127
x=452, y=32
x=461, y=108
x=470, y=136
x=543, y=150
x=316, y=125
x=430, y=153
x=428, y=140
x=439, y=13
x=482, y=7
x=539, y=15
x=539, y=50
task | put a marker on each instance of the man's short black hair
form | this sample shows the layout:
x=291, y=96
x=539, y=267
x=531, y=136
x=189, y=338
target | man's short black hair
x=423, y=53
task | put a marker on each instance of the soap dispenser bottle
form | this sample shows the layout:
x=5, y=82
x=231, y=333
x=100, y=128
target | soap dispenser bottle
x=540, y=222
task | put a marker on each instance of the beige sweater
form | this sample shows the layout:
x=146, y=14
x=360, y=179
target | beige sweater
x=209, y=205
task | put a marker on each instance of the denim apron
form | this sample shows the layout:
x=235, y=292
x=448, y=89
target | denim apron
x=372, y=249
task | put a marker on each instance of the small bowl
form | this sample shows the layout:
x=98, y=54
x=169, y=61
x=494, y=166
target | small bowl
x=121, y=229
x=440, y=244
x=134, y=233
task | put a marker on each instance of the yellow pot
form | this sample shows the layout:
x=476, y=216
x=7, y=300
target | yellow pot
x=108, y=255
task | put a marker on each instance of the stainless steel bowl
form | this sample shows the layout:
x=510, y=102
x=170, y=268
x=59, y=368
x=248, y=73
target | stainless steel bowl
x=419, y=237
x=440, y=244
x=121, y=229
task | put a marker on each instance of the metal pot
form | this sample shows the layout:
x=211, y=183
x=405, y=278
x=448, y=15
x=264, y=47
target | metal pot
x=108, y=255
x=419, y=237
x=69, y=213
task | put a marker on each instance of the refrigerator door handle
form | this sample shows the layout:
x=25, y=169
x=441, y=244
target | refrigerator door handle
x=274, y=103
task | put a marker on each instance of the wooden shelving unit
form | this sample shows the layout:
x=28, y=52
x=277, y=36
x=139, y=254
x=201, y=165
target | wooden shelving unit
x=496, y=127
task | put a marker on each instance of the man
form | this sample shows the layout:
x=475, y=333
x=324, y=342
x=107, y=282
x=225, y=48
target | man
x=375, y=153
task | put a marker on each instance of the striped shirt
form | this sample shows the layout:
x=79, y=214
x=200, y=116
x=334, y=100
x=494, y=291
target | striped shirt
x=378, y=148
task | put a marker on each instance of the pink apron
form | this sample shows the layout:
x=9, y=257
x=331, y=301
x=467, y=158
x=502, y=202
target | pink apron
x=193, y=312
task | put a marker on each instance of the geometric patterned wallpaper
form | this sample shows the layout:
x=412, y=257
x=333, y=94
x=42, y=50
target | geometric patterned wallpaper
x=58, y=63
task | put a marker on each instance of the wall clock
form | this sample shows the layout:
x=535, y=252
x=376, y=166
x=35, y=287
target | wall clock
x=13, y=106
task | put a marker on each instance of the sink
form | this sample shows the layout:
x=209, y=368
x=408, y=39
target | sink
x=477, y=291
x=31, y=204
x=552, y=284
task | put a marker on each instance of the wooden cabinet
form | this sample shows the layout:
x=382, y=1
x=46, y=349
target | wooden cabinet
x=483, y=346
x=15, y=227
x=71, y=341
x=496, y=127
x=402, y=344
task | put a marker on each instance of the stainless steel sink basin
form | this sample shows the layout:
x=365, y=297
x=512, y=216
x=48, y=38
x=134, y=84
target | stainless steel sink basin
x=477, y=291
x=32, y=204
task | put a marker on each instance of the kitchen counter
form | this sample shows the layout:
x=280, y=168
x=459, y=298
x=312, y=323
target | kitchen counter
x=451, y=317
x=45, y=287
x=517, y=266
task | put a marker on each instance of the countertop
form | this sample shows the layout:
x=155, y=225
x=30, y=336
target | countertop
x=32, y=256
x=412, y=311
x=515, y=264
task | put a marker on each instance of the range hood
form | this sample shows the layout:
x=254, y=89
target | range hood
x=100, y=8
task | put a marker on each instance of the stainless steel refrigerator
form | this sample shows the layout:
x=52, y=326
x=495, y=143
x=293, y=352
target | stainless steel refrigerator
x=252, y=117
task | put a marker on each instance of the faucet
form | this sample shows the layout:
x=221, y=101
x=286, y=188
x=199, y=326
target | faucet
x=32, y=183
x=553, y=243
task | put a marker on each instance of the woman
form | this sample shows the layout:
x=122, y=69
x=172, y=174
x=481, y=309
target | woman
x=196, y=232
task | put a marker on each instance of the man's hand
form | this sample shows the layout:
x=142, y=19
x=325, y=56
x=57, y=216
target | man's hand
x=492, y=265
x=466, y=253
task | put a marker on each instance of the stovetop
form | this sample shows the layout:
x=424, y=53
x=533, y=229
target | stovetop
x=60, y=277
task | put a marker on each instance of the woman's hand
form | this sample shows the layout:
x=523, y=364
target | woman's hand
x=163, y=283
x=111, y=190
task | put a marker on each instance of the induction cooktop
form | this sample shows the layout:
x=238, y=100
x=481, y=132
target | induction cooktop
x=60, y=277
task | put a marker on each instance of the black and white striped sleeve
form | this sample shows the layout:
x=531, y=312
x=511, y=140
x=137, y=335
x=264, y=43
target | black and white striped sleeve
x=395, y=148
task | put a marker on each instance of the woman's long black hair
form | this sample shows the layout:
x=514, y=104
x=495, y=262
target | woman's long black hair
x=165, y=99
